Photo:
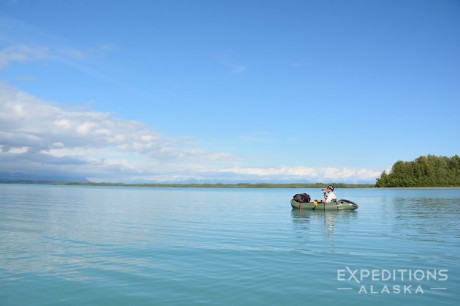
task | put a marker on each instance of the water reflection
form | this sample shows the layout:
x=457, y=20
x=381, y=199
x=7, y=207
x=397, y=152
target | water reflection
x=320, y=222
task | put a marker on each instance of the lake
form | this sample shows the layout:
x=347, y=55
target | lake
x=83, y=245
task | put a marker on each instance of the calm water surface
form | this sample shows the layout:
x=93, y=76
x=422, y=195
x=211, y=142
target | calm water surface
x=70, y=245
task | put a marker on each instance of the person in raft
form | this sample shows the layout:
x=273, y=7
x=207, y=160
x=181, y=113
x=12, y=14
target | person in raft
x=329, y=194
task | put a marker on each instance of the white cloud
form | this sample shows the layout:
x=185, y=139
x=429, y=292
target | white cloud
x=95, y=142
x=23, y=53
x=26, y=53
x=39, y=137
x=309, y=174
x=234, y=66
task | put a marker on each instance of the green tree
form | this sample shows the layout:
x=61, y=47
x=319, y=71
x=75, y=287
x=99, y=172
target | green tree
x=425, y=171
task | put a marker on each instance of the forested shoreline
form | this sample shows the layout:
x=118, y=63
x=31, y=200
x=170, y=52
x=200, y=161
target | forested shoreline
x=425, y=171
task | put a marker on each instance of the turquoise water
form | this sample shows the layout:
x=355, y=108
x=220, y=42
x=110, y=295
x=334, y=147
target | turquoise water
x=71, y=245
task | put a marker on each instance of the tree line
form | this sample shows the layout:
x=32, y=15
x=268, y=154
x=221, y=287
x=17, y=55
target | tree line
x=221, y=185
x=425, y=171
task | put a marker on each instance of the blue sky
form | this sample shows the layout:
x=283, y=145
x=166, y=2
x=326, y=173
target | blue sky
x=266, y=91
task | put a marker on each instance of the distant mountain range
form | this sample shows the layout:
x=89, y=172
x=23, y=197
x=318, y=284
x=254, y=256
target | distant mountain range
x=11, y=177
x=20, y=177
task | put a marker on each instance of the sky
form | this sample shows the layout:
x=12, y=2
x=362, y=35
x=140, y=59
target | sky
x=227, y=91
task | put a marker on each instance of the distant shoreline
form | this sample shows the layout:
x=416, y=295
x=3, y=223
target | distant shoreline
x=219, y=185
x=193, y=185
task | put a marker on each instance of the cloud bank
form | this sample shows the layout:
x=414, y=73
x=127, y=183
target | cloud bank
x=38, y=137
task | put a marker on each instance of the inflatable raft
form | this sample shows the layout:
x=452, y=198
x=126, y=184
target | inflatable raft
x=336, y=205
